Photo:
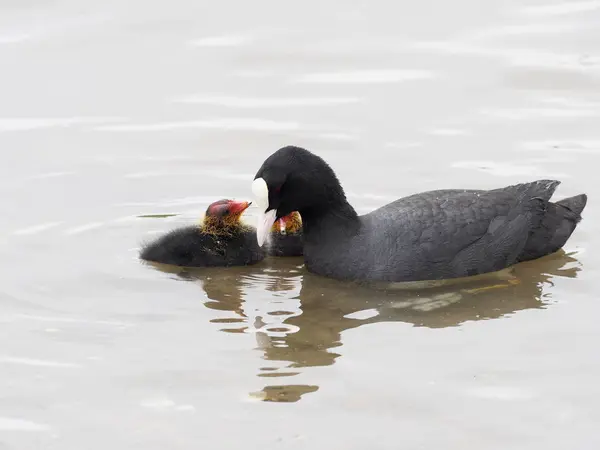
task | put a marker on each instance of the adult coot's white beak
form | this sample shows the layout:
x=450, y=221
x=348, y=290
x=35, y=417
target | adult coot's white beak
x=265, y=222
x=266, y=219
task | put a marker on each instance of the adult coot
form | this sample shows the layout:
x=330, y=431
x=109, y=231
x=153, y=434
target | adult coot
x=221, y=240
x=428, y=236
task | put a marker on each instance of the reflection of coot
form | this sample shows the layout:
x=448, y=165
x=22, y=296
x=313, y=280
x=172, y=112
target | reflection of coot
x=330, y=307
x=427, y=236
x=285, y=393
x=325, y=308
x=222, y=240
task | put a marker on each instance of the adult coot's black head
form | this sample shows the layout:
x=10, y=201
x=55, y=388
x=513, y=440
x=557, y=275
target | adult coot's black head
x=294, y=179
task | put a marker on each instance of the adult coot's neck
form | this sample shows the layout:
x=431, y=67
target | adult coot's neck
x=336, y=220
x=324, y=207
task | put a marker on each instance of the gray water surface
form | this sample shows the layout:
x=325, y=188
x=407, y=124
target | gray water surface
x=114, y=112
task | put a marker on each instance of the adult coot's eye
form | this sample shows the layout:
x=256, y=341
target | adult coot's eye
x=278, y=188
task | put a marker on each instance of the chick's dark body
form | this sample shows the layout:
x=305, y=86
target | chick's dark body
x=190, y=246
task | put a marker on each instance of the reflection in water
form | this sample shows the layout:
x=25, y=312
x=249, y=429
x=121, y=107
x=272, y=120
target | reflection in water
x=298, y=317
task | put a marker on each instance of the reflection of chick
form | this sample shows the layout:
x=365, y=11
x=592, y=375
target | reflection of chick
x=286, y=236
x=221, y=240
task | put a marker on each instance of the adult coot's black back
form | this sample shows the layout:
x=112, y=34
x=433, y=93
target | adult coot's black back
x=223, y=240
x=431, y=235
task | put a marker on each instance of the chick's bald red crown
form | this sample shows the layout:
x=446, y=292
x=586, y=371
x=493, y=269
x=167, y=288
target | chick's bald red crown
x=226, y=207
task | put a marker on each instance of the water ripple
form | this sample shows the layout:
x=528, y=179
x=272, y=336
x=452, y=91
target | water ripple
x=366, y=76
x=244, y=124
x=574, y=146
x=263, y=102
x=222, y=41
x=32, y=123
x=514, y=56
x=525, y=30
x=82, y=228
x=15, y=38
x=506, y=169
x=36, y=228
x=561, y=8
x=37, y=362
x=12, y=424
x=538, y=113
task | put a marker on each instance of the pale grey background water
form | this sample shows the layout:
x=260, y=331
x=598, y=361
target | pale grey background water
x=111, y=110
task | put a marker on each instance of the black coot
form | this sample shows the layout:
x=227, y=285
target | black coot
x=221, y=240
x=428, y=236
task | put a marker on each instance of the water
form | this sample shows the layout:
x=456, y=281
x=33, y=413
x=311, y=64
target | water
x=121, y=120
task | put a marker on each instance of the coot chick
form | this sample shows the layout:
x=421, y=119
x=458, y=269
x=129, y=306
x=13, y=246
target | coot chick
x=222, y=240
x=286, y=236
x=427, y=236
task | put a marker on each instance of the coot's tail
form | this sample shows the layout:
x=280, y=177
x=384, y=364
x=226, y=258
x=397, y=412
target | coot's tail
x=557, y=225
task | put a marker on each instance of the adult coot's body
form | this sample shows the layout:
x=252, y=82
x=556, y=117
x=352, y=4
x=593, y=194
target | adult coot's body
x=431, y=235
x=221, y=240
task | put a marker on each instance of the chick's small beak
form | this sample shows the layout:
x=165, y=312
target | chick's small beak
x=238, y=207
x=282, y=225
